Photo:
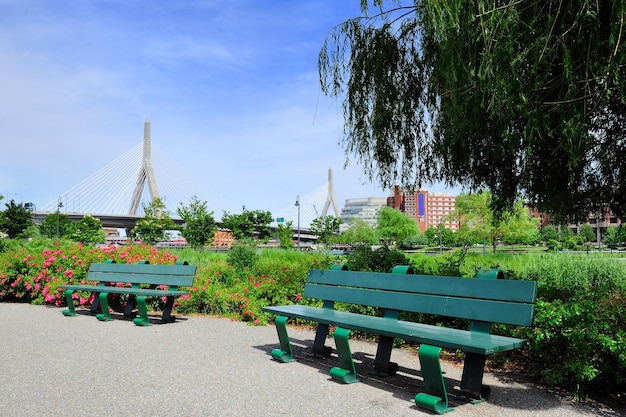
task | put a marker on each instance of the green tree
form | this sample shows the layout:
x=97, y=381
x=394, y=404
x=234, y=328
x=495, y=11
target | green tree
x=285, y=235
x=325, y=227
x=249, y=224
x=15, y=219
x=199, y=228
x=474, y=214
x=358, y=231
x=611, y=236
x=565, y=233
x=520, y=228
x=155, y=224
x=395, y=225
x=515, y=97
x=57, y=225
x=587, y=233
x=479, y=223
x=89, y=231
x=548, y=233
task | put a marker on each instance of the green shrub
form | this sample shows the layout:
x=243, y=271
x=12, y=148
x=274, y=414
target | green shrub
x=580, y=344
x=243, y=255
x=383, y=259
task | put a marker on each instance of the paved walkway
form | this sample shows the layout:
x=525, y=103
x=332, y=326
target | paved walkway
x=51, y=365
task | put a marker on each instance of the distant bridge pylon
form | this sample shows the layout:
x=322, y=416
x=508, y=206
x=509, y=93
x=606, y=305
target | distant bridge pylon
x=321, y=196
x=146, y=172
x=123, y=185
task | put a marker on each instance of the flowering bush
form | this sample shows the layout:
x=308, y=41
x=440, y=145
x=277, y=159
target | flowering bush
x=31, y=274
x=277, y=278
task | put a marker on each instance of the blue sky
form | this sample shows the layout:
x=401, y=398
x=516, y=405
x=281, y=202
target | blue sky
x=230, y=87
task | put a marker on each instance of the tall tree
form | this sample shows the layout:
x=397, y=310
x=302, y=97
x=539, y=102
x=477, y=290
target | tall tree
x=200, y=227
x=480, y=224
x=358, y=231
x=155, y=224
x=15, y=219
x=395, y=225
x=89, y=231
x=513, y=96
x=325, y=227
x=57, y=225
x=248, y=224
x=285, y=235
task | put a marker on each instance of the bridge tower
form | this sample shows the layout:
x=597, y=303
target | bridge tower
x=330, y=198
x=146, y=173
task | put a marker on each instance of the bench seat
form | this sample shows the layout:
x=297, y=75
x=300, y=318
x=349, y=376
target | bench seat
x=146, y=292
x=475, y=342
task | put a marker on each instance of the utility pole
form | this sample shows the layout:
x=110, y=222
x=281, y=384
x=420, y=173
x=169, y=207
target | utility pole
x=298, y=205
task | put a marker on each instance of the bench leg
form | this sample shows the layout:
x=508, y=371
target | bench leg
x=167, y=316
x=382, y=365
x=71, y=310
x=95, y=304
x=346, y=371
x=284, y=354
x=319, y=347
x=435, y=398
x=104, y=306
x=130, y=306
x=142, y=320
x=472, y=380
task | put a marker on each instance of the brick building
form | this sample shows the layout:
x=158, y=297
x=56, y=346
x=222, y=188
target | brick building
x=428, y=209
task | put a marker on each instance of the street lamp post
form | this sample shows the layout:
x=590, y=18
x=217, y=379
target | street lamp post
x=59, y=206
x=298, y=205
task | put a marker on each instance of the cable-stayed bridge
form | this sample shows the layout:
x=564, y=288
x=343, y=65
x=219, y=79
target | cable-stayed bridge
x=117, y=192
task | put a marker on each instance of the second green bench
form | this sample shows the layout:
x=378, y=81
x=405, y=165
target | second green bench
x=483, y=300
x=139, y=281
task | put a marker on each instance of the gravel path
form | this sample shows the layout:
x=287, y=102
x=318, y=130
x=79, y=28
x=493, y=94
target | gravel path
x=51, y=365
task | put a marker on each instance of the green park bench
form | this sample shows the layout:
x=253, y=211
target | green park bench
x=486, y=299
x=138, y=281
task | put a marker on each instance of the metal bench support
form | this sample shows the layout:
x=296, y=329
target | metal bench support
x=382, y=365
x=142, y=320
x=284, y=354
x=345, y=372
x=472, y=379
x=435, y=398
x=71, y=310
x=104, y=306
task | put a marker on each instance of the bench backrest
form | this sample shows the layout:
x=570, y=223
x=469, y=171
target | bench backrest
x=143, y=273
x=483, y=300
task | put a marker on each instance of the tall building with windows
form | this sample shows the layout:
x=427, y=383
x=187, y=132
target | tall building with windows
x=365, y=209
x=428, y=209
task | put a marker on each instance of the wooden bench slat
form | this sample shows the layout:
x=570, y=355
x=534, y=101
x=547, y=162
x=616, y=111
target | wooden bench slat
x=467, y=308
x=141, y=278
x=148, y=269
x=124, y=290
x=509, y=290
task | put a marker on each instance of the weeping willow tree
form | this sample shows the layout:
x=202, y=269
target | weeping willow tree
x=520, y=97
